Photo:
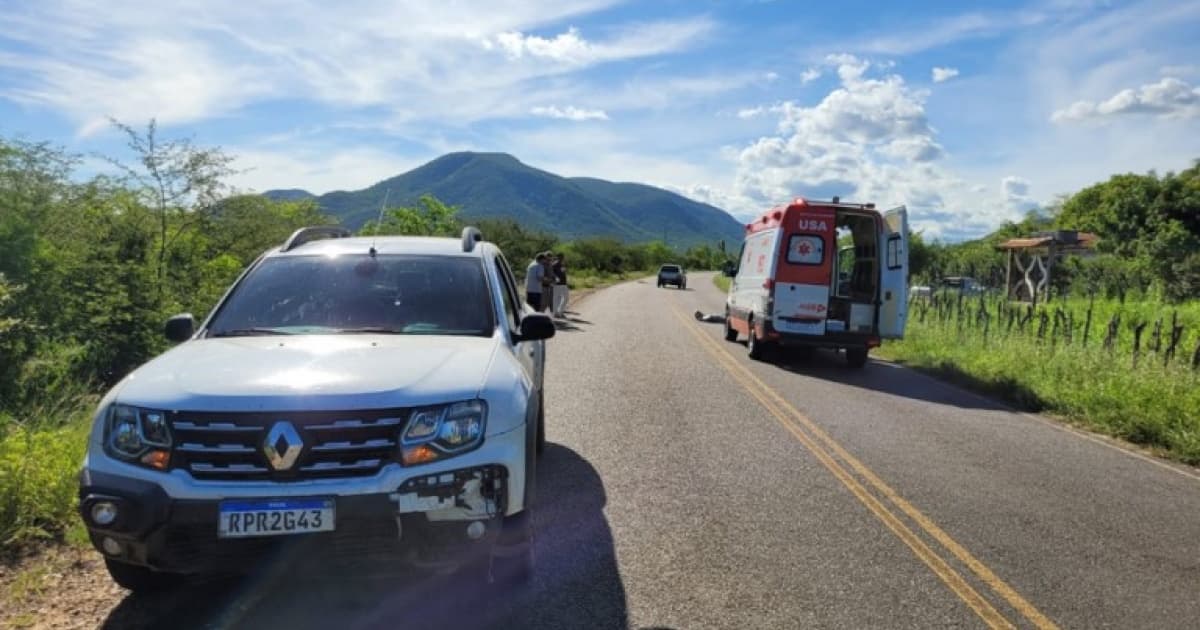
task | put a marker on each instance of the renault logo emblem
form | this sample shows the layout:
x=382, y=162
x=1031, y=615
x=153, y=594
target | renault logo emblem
x=282, y=446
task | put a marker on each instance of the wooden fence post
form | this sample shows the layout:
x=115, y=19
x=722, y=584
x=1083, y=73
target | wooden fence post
x=1137, y=341
x=1110, y=339
x=1087, y=324
x=1176, y=336
x=1156, y=336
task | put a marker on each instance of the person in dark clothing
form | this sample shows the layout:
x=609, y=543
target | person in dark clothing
x=562, y=294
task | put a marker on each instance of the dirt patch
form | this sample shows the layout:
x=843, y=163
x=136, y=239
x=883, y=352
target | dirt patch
x=57, y=587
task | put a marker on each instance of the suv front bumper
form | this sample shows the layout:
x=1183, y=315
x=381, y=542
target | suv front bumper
x=414, y=516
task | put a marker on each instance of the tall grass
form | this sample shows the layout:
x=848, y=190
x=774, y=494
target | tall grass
x=1155, y=402
x=41, y=449
x=722, y=282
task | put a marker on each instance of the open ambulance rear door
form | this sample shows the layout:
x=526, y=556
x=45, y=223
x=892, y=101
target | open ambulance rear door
x=893, y=286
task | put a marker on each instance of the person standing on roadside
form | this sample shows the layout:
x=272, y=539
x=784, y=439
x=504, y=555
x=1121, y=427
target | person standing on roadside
x=561, y=292
x=535, y=273
x=547, y=281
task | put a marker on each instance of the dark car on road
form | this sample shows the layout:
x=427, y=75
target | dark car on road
x=673, y=275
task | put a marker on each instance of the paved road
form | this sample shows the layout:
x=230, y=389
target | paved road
x=740, y=494
x=688, y=487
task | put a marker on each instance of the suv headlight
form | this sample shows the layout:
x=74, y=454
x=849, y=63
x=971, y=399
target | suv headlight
x=439, y=432
x=138, y=435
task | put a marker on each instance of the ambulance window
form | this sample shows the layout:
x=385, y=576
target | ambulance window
x=806, y=249
x=893, y=253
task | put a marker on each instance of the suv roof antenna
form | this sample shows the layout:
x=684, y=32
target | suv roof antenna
x=379, y=222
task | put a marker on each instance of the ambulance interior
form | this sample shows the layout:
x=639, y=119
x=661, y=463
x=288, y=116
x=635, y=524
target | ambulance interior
x=855, y=282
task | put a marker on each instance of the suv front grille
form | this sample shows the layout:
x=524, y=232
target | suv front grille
x=331, y=444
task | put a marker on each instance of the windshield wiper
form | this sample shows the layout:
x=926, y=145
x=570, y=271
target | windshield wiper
x=368, y=330
x=249, y=332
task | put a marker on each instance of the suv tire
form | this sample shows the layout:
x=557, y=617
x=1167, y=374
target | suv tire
x=139, y=579
x=512, y=559
x=856, y=357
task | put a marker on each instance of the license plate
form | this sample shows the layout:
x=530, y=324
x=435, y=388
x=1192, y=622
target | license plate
x=274, y=517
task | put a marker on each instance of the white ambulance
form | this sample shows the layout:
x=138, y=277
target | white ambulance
x=820, y=274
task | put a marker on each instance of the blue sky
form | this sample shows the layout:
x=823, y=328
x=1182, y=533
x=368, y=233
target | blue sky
x=969, y=113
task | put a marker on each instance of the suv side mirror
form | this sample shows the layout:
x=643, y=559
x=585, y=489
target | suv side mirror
x=180, y=327
x=728, y=270
x=535, y=326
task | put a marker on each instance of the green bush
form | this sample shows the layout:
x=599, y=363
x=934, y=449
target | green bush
x=41, y=450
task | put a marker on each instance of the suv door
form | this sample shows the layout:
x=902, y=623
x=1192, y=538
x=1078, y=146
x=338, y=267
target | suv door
x=893, y=286
x=531, y=354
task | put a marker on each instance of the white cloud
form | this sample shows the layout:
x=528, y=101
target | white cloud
x=810, y=75
x=571, y=48
x=944, y=74
x=317, y=169
x=454, y=62
x=1168, y=98
x=867, y=140
x=569, y=113
x=1016, y=195
x=568, y=47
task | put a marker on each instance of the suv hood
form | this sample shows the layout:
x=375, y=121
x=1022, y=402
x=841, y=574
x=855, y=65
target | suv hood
x=311, y=372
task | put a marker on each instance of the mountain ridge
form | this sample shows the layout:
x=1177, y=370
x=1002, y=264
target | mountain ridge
x=498, y=185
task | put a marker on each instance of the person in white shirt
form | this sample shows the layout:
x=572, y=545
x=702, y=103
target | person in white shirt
x=535, y=275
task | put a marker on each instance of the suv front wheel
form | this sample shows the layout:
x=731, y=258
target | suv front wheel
x=139, y=579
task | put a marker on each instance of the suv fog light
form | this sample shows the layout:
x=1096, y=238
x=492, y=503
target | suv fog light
x=476, y=530
x=110, y=546
x=104, y=513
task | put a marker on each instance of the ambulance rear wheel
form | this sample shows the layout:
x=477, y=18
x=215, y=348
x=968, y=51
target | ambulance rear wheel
x=856, y=357
x=731, y=333
x=756, y=348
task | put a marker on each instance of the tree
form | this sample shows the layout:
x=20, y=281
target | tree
x=518, y=243
x=430, y=217
x=178, y=181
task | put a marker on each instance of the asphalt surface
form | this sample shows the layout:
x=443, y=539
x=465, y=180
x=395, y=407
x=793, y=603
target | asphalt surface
x=686, y=486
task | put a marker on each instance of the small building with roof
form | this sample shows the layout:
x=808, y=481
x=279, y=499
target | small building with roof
x=1031, y=260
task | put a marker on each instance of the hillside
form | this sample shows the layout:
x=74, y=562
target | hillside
x=494, y=185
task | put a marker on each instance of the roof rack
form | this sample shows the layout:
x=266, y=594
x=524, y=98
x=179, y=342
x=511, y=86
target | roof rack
x=313, y=233
x=470, y=236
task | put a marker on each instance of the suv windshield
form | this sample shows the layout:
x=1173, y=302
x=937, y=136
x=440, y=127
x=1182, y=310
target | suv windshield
x=358, y=293
x=669, y=269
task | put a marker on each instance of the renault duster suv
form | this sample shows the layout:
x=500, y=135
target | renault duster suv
x=348, y=401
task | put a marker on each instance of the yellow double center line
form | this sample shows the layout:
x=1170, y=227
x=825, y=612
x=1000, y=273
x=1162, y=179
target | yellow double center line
x=797, y=423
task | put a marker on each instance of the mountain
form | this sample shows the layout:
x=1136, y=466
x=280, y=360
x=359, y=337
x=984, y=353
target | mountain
x=497, y=185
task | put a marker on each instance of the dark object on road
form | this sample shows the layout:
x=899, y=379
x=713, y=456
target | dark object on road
x=710, y=318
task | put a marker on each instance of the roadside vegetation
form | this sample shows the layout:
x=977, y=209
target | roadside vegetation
x=1116, y=347
x=90, y=268
x=1040, y=362
x=722, y=282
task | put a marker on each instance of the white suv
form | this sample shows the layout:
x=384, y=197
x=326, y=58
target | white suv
x=349, y=400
